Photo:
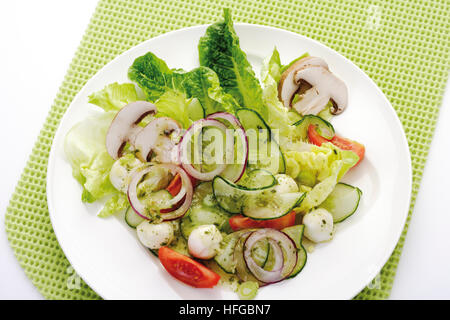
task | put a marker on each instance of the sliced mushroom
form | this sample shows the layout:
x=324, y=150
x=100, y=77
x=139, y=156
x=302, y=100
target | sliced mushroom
x=124, y=126
x=325, y=87
x=157, y=140
x=287, y=86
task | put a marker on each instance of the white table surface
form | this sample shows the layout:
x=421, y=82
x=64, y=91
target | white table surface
x=38, y=40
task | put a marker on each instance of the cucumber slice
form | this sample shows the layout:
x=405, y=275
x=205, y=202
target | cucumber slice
x=296, y=234
x=230, y=197
x=257, y=179
x=241, y=269
x=225, y=256
x=250, y=119
x=260, y=252
x=201, y=215
x=158, y=200
x=264, y=151
x=203, y=195
x=267, y=156
x=324, y=128
x=132, y=218
x=301, y=261
x=271, y=205
x=195, y=110
x=342, y=201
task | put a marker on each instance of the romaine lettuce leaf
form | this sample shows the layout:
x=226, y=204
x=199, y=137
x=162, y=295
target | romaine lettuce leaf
x=153, y=76
x=219, y=50
x=114, y=96
x=85, y=150
x=203, y=84
x=156, y=78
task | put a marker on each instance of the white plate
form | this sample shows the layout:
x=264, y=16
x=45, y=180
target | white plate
x=107, y=255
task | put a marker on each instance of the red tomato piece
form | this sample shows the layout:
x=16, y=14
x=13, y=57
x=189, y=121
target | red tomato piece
x=187, y=270
x=175, y=185
x=239, y=222
x=340, y=142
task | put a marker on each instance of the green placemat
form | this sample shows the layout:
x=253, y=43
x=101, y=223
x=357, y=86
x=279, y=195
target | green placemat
x=402, y=45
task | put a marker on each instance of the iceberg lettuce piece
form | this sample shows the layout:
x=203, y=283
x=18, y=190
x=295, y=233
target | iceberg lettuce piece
x=114, y=96
x=219, y=50
x=85, y=150
x=174, y=104
x=322, y=190
x=320, y=168
x=279, y=117
x=317, y=160
x=116, y=203
x=284, y=68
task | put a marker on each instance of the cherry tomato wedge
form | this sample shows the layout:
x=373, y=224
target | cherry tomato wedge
x=340, y=142
x=175, y=185
x=239, y=222
x=187, y=270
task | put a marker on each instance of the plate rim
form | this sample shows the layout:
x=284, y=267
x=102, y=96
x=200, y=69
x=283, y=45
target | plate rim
x=258, y=28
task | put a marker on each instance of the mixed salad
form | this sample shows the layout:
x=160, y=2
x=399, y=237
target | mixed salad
x=225, y=177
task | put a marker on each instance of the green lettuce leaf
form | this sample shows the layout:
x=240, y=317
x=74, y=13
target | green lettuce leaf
x=322, y=190
x=279, y=117
x=320, y=168
x=155, y=78
x=174, y=104
x=116, y=203
x=203, y=84
x=284, y=68
x=85, y=150
x=219, y=50
x=114, y=96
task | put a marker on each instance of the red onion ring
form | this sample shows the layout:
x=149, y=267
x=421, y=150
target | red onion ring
x=241, y=269
x=285, y=260
x=185, y=154
x=167, y=214
x=235, y=123
x=231, y=173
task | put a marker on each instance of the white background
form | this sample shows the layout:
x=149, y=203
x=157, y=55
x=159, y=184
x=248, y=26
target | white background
x=38, y=40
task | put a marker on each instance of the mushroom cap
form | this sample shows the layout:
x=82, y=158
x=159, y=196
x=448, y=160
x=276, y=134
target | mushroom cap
x=155, y=137
x=287, y=86
x=124, y=126
x=325, y=86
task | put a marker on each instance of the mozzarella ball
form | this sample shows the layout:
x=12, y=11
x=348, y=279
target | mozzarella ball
x=155, y=236
x=318, y=225
x=204, y=241
x=120, y=172
x=285, y=184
